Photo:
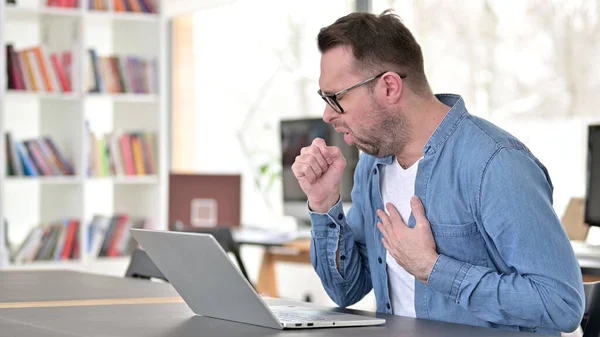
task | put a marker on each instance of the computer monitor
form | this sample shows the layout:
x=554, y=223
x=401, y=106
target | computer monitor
x=298, y=133
x=592, y=201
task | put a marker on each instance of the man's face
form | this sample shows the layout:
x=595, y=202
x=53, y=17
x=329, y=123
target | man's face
x=367, y=123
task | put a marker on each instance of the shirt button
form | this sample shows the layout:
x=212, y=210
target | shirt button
x=340, y=216
x=374, y=171
x=379, y=260
x=331, y=225
x=388, y=306
x=343, y=257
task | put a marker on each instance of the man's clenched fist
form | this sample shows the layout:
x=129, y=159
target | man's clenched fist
x=319, y=170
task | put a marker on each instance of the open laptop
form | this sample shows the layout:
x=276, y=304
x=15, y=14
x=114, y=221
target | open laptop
x=211, y=285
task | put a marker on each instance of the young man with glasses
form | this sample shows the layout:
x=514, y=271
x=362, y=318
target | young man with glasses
x=451, y=216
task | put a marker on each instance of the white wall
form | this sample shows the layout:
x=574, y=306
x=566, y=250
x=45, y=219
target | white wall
x=183, y=7
x=250, y=75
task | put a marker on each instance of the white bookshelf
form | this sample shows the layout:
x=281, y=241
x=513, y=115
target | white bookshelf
x=26, y=202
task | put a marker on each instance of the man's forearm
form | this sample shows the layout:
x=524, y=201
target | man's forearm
x=501, y=298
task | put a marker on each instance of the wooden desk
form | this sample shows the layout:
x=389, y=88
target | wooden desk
x=588, y=257
x=590, y=269
x=168, y=319
x=279, y=247
x=294, y=251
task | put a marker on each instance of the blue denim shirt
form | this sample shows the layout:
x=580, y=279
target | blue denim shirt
x=505, y=260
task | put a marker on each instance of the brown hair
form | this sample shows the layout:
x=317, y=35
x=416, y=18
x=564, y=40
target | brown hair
x=378, y=43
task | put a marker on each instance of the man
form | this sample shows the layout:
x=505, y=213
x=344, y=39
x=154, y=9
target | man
x=452, y=217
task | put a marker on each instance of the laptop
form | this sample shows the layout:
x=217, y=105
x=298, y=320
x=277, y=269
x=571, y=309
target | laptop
x=212, y=285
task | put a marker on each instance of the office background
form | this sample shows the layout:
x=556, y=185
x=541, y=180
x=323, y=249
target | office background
x=228, y=72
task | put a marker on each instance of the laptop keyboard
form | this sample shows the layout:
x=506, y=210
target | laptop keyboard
x=288, y=316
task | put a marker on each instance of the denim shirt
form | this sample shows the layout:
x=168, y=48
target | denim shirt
x=504, y=261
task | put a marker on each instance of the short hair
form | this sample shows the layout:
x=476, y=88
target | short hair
x=378, y=43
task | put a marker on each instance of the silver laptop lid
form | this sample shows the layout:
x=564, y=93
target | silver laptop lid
x=207, y=280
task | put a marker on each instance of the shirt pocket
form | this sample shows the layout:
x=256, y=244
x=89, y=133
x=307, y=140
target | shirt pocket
x=462, y=242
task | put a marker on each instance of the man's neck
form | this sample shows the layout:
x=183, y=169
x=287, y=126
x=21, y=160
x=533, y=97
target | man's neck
x=424, y=118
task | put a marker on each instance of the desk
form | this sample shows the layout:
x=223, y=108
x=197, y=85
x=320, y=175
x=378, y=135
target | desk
x=279, y=247
x=11, y=328
x=65, y=285
x=173, y=319
x=588, y=257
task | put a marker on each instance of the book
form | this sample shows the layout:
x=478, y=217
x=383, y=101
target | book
x=37, y=69
x=121, y=153
x=33, y=157
x=121, y=74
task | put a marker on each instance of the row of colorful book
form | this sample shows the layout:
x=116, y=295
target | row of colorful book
x=122, y=153
x=121, y=74
x=134, y=6
x=57, y=240
x=37, y=69
x=62, y=3
x=35, y=157
x=107, y=236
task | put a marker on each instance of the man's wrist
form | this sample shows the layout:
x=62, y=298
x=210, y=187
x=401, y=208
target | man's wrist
x=324, y=207
x=428, y=265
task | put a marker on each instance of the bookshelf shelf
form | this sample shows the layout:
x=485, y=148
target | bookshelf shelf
x=29, y=13
x=119, y=98
x=136, y=17
x=60, y=180
x=115, y=266
x=29, y=95
x=136, y=180
x=56, y=57
x=142, y=180
x=47, y=264
x=119, y=16
x=125, y=98
x=127, y=180
x=16, y=13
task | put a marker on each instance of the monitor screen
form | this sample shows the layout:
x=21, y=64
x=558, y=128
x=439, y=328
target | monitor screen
x=592, y=202
x=296, y=134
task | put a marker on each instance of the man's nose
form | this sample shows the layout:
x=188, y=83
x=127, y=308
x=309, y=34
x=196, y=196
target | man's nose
x=329, y=114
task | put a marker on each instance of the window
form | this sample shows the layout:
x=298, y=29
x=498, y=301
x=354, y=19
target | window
x=255, y=62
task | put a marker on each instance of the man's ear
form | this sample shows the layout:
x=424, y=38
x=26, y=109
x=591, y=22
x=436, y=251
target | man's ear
x=393, y=86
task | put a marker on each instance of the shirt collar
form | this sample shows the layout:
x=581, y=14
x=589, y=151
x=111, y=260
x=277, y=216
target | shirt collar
x=457, y=112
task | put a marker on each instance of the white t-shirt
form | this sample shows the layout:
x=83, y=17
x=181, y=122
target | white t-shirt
x=397, y=187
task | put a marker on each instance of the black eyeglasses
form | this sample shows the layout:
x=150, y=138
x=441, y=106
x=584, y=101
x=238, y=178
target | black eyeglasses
x=333, y=99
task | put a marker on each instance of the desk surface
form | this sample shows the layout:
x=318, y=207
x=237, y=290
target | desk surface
x=63, y=285
x=162, y=319
x=588, y=257
x=12, y=328
x=265, y=237
x=177, y=320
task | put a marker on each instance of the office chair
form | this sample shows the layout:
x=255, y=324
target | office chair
x=591, y=318
x=141, y=266
x=224, y=238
